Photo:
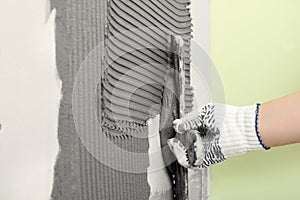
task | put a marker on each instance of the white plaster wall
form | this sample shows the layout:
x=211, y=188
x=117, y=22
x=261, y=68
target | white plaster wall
x=29, y=100
x=200, y=73
x=200, y=13
x=200, y=77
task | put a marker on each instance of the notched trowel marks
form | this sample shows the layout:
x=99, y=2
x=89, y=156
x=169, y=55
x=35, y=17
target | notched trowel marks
x=135, y=61
x=137, y=58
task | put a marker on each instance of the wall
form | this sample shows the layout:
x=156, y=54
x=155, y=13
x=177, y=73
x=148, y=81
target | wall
x=29, y=98
x=199, y=180
x=255, y=46
x=29, y=81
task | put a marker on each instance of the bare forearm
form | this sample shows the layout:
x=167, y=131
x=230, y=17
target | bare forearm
x=279, y=121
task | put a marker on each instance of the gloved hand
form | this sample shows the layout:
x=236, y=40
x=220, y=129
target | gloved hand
x=218, y=132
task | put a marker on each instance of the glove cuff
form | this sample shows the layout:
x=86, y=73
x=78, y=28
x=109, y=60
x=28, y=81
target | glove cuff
x=240, y=130
x=256, y=128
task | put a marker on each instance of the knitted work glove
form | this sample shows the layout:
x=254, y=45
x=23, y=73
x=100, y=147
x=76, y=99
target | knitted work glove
x=218, y=132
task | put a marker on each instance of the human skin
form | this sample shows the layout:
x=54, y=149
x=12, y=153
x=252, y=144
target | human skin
x=279, y=121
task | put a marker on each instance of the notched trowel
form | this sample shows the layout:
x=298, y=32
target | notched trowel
x=173, y=107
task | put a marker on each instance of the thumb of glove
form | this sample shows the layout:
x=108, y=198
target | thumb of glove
x=179, y=151
x=190, y=155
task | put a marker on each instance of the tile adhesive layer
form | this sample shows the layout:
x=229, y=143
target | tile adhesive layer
x=134, y=60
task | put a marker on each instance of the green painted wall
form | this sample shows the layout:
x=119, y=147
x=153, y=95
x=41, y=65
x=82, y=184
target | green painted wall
x=255, y=46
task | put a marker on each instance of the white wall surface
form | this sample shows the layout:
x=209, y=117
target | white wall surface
x=29, y=100
x=200, y=74
x=200, y=77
